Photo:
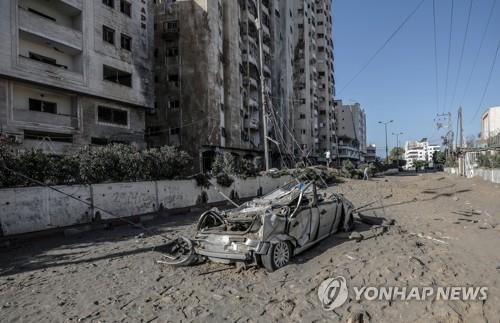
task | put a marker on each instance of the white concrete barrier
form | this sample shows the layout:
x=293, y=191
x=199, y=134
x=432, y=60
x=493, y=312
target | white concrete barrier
x=491, y=175
x=32, y=209
x=38, y=208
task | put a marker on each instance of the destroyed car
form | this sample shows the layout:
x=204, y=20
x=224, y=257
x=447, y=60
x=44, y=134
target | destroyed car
x=267, y=231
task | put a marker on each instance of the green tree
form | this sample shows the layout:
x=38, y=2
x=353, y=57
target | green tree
x=439, y=158
x=396, y=153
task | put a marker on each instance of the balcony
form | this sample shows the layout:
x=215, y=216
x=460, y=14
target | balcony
x=249, y=58
x=36, y=118
x=45, y=29
x=252, y=123
x=249, y=80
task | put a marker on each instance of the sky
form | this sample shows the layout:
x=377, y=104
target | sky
x=400, y=83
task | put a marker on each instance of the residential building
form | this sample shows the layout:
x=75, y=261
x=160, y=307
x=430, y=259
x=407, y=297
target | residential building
x=75, y=72
x=371, y=154
x=350, y=131
x=490, y=123
x=207, y=78
x=419, y=150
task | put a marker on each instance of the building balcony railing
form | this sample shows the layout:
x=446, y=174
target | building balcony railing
x=42, y=118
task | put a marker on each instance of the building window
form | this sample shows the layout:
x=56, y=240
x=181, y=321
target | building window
x=116, y=76
x=171, y=26
x=126, y=42
x=223, y=132
x=174, y=104
x=43, y=106
x=126, y=8
x=99, y=141
x=175, y=131
x=112, y=116
x=109, y=3
x=302, y=116
x=52, y=136
x=172, y=52
x=108, y=35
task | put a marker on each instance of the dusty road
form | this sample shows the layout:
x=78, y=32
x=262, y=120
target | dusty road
x=111, y=275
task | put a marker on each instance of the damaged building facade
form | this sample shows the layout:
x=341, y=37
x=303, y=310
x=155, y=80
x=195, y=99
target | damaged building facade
x=207, y=79
x=351, y=132
x=75, y=72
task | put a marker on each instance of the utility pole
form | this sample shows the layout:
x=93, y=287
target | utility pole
x=448, y=139
x=386, y=144
x=262, y=88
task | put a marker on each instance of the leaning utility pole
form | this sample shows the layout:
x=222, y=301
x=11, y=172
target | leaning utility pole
x=262, y=86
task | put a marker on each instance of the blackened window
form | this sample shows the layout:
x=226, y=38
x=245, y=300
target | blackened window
x=52, y=136
x=108, y=35
x=43, y=106
x=172, y=52
x=174, y=104
x=112, y=116
x=109, y=3
x=116, y=76
x=302, y=116
x=175, y=131
x=99, y=141
x=126, y=7
x=126, y=42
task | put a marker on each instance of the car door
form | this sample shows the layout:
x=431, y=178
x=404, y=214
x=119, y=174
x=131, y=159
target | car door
x=327, y=216
x=300, y=226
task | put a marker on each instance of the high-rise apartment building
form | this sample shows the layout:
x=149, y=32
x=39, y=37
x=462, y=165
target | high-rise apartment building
x=75, y=72
x=209, y=96
x=351, y=131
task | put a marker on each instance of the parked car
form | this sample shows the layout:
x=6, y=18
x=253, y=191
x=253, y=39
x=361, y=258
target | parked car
x=269, y=230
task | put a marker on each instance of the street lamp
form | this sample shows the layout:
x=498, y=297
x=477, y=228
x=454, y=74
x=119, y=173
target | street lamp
x=385, y=123
x=397, y=134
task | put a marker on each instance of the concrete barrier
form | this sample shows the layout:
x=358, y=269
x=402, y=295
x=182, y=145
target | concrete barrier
x=38, y=208
x=491, y=175
x=31, y=209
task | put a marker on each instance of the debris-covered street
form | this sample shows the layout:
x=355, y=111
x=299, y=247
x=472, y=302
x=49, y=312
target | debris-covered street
x=446, y=233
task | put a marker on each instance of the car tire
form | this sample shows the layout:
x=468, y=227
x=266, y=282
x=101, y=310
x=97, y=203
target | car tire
x=278, y=256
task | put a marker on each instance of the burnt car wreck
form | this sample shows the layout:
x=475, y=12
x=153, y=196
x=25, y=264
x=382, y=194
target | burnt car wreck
x=267, y=231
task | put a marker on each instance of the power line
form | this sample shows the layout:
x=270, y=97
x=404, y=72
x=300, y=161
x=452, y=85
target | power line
x=435, y=55
x=488, y=82
x=462, y=53
x=393, y=34
x=476, y=59
x=449, y=54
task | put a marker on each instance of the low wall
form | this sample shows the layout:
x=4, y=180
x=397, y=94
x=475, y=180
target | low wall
x=492, y=175
x=32, y=209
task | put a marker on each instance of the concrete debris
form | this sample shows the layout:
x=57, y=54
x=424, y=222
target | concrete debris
x=485, y=226
x=356, y=236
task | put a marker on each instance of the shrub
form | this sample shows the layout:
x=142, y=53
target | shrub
x=202, y=180
x=224, y=180
x=247, y=168
x=113, y=163
x=224, y=164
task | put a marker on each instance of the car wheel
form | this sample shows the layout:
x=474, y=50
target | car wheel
x=278, y=256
